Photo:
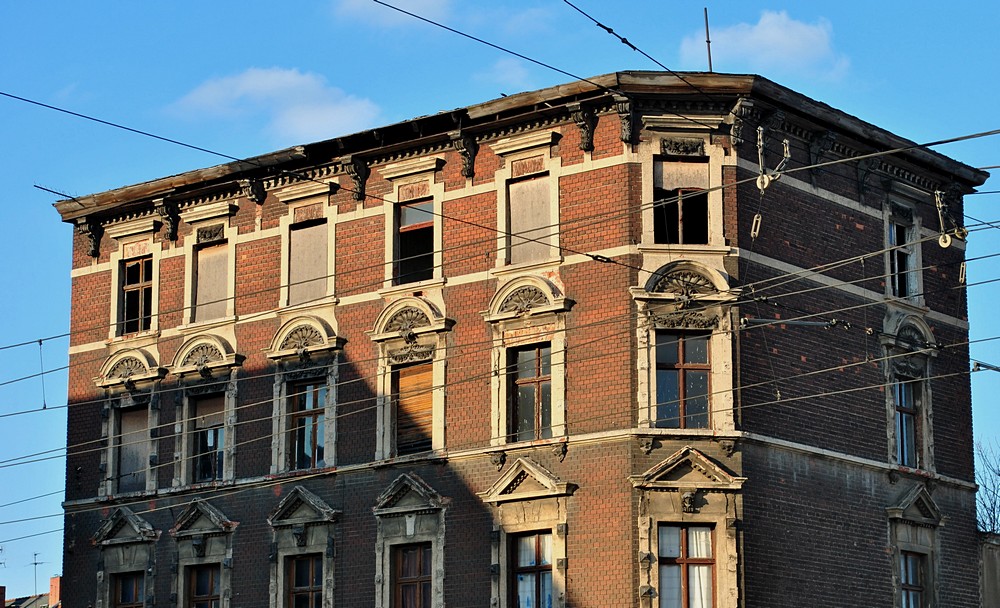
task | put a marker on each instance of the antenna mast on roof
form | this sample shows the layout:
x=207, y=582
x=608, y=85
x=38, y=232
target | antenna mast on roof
x=708, y=41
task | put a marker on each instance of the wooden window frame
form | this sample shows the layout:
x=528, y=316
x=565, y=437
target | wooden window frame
x=542, y=410
x=399, y=262
x=684, y=561
x=683, y=367
x=425, y=553
x=138, y=583
x=213, y=600
x=663, y=200
x=538, y=569
x=143, y=287
x=900, y=259
x=313, y=418
x=310, y=591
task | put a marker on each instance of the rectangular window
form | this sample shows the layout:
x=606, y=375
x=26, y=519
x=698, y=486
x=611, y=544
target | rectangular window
x=137, y=295
x=132, y=449
x=680, y=201
x=414, y=242
x=207, y=440
x=211, y=281
x=307, y=262
x=680, y=217
x=129, y=590
x=899, y=260
x=686, y=566
x=911, y=579
x=529, y=211
x=305, y=581
x=531, y=570
x=413, y=392
x=307, y=402
x=411, y=571
x=203, y=586
x=905, y=393
x=529, y=392
x=682, y=370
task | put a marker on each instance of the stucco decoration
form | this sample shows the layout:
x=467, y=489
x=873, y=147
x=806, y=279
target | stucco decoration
x=128, y=367
x=302, y=338
x=916, y=506
x=522, y=300
x=201, y=517
x=467, y=147
x=687, y=469
x=525, y=479
x=124, y=526
x=407, y=320
x=204, y=354
x=300, y=507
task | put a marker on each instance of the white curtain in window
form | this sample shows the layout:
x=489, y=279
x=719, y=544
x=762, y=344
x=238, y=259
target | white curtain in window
x=699, y=586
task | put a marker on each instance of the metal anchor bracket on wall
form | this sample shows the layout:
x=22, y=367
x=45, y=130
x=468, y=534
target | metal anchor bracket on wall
x=766, y=177
x=959, y=232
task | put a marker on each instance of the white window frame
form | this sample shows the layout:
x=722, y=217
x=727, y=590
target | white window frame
x=302, y=201
x=200, y=218
x=412, y=181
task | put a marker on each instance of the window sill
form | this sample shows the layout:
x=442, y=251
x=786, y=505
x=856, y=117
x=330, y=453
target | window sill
x=200, y=326
x=409, y=288
x=327, y=300
x=676, y=248
x=511, y=269
x=149, y=334
x=915, y=305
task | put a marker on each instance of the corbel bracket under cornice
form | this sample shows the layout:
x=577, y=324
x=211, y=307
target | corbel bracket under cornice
x=89, y=227
x=358, y=169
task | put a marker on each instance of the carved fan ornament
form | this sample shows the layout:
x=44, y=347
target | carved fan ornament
x=685, y=283
x=302, y=337
x=524, y=299
x=407, y=320
x=910, y=337
x=126, y=368
x=202, y=354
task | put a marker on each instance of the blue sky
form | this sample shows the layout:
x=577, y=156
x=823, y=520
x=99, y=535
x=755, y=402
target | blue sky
x=244, y=78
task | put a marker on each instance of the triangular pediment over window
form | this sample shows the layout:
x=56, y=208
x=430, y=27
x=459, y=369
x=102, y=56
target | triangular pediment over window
x=917, y=507
x=687, y=468
x=408, y=494
x=124, y=526
x=202, y=518
x=300, y=507
x=526, y=480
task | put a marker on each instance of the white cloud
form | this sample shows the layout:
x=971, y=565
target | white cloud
x=295, y=107
x=508, y=73
x=376, y=14
x=776, y=44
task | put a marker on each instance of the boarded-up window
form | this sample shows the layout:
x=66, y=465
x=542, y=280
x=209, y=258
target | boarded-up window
x=208, y=438
x=530, y=213
x=680, y=202
x=133, y=450
x=307, y=262
x=211, y=282
x=413, y=388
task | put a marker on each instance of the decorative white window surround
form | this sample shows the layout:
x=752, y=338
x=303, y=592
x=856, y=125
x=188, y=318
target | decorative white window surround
x=299, y=196
x=410, y=329
x=913, y=522
x=412, y=180
x=135, y=240
x=527, y=482
x=304, y=348
x=207, y=366
x=409, y=511
x=689, y=488
x=301, y=524
x=204, y=537
x=899, y=212
x=511, y=150
x=201, y=217
x=127, y=544
x=686, y=296
x=909, y=346
x=527, y=310
x=652, y=152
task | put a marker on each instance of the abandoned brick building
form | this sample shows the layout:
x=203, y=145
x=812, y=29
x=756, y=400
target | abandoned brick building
x=585, y=346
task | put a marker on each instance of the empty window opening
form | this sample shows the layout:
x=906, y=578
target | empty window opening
x=414, y=242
